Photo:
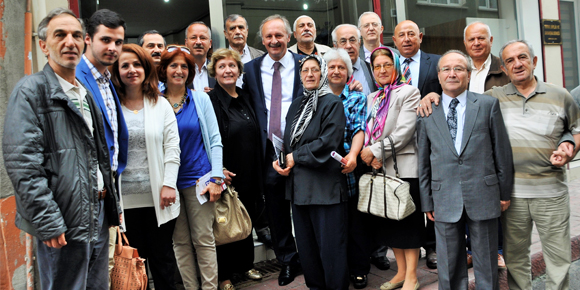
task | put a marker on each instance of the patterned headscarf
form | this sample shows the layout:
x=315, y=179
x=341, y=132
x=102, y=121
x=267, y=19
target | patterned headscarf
x=310, y=101
x=381, y=101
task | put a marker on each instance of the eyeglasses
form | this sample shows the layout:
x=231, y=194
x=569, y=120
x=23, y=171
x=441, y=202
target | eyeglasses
x=381, y=66
x=313, y=70
x=351, y=40
x=457, y=69
x=171, y=48
x=374, y=24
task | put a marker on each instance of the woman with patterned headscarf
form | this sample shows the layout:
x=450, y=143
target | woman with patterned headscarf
x=315, y=186
x=392, y=113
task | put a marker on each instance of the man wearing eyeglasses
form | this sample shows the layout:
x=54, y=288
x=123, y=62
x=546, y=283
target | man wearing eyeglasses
x=347, y=37
x=198, y=40
x=371, y=29
x=465, y=174
x=305, y=34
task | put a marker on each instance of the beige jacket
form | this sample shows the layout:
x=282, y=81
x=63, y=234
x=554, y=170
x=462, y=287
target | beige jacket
x=400, y=125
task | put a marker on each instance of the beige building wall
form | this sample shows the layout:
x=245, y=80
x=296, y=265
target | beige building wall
x=552, y=53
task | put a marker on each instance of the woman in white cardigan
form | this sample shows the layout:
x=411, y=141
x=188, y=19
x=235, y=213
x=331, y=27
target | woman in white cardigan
x=148, y=189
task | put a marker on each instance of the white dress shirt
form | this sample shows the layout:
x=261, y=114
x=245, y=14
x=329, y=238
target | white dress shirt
x=246, y=57
x=368, y=53
x=359, y=75
x=287, y=73
x=413, y=66
x=200, y=80
x=477, y=80
x=460, y=109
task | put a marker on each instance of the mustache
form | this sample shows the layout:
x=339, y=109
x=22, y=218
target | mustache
x=238, y=36
x=198, y=46
x=156, y=54
x=275, y=45
x=306, y=33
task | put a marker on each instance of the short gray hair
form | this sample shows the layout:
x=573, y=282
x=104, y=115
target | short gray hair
x=477, y=22
x=140, y=40
x=201, y=23
x=302, y=16
x=234, y=17
x=344, y=25
x=467, y=59
x=369, y=13
x=339, y=53
x=43, y=25
x=274, y=17
x=530, y=49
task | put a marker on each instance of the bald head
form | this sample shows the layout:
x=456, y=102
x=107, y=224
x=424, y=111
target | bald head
x=478, y=40
x=407, y=38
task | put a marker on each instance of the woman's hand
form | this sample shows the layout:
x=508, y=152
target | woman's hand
x=214, y=190
x=376, y=164
x=289, y=164
x=350, y=164
x=166, y=197
x=228, y=174
x=367, y=156
x=355, y=86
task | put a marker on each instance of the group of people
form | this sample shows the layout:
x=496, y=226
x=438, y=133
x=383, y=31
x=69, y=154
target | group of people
x=88, y=149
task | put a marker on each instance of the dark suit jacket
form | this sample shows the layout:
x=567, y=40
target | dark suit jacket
x=316, y=177
x=475, y=179
x=428, y=81
x=210, y=80
x=368, y=71
x=83, y=73
x=253, y=86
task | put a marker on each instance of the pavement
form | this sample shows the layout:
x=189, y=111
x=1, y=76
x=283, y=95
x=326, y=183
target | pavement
x=428, y=277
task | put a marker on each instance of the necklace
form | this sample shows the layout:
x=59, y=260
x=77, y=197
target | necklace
x=177, y=105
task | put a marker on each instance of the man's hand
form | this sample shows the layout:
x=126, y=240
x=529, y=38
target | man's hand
x=505, y=204
x=430, y=215
x=289, y=164
x=207, y=89
x=559, y=158
x=166, y=197
x=567, y=147
x=228, y=174
x=367, y=156
x=57, y=242
x=376, y=164
x=215, y=191
x=355, y=86
x=350, y=164
x=425, y=108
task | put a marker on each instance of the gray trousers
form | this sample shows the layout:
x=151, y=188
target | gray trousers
x=452, y=256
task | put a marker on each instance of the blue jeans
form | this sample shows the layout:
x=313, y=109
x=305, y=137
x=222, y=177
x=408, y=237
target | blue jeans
x=73, y=265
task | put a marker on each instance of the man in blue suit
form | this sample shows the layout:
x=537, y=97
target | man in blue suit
x=273, y=81
x=104, y=39
x=420, y=71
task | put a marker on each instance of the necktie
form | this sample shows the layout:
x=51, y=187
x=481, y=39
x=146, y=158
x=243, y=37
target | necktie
x=452, y=119
x=407, y=71
x=276, y=103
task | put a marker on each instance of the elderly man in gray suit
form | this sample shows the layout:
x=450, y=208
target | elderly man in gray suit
x=465, y=175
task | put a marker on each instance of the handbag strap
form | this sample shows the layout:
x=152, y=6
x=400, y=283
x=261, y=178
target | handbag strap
x=394, y=154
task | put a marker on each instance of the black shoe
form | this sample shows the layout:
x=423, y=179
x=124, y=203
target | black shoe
x=287, y=275
x=265, y=238
x=381, y=262
x=431, y=259
x=359, y=282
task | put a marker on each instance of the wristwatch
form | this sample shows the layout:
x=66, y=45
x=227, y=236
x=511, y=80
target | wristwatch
x=216, y=181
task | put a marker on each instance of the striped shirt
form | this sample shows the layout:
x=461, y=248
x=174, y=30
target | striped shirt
x=535, y=126
x=103, y=81
x=77, y=96
x=355, y=107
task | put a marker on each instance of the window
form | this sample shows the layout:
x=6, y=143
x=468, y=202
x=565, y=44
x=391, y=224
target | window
x=488, y=4
x=443, y=2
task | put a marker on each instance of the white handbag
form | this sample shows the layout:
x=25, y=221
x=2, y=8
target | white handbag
x=383, y=195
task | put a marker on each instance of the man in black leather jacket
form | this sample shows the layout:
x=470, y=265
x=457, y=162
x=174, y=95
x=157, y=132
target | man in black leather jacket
x=56, y=156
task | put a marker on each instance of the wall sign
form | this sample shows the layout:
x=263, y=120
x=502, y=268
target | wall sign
x=552, y=31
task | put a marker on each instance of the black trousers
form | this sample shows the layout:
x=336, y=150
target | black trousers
x=278, y=209
x=321, y=235
x=155, y=244
x=359, y=241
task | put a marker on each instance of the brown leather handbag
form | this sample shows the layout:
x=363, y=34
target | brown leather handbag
x=129, y=272
x=232, y=221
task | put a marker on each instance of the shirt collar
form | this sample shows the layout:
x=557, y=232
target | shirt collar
x=485, y=65
x=416, y=58
x=510, y=89
x=462, y=98
x=366, y=51
x=245, y=51
x=286, y=60
x=66, y=86
x=96, y=73
x=203, y=67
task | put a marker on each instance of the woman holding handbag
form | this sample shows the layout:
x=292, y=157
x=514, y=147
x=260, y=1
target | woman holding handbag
x=392, y=113
x=148, y=186
x=240, y=134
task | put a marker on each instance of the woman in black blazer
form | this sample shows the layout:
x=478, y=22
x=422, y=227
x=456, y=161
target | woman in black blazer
x=315, y=186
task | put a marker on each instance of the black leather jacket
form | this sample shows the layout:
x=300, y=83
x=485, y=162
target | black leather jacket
x=51, y=158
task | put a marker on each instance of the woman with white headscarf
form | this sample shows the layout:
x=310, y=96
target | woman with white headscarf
x=315, y=186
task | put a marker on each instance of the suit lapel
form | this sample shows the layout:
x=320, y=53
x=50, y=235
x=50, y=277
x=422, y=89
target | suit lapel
x=441, y=123
x=89, y=81
x=424, y=67
x=471, y=111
